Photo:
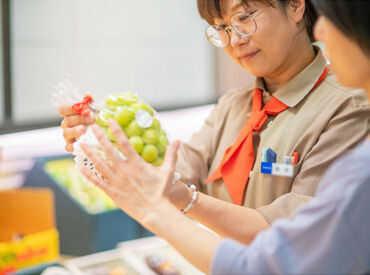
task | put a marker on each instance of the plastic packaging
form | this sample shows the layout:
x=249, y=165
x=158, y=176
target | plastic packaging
x=137, y=119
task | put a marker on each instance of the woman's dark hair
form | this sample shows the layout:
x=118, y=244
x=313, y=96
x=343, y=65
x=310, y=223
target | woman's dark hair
x=210, y=9
x=352, y=17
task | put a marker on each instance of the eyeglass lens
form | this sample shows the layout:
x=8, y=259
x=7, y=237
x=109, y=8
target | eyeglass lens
x=242, y=23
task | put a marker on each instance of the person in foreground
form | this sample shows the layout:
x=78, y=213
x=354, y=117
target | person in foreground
x=328, y=235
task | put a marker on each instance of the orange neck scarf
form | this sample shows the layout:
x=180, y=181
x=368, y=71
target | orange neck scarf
x=237, y=161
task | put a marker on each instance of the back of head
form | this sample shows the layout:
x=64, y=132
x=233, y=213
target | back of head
x=352, y=17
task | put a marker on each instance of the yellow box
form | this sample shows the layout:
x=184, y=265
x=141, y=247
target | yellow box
x=27, y=229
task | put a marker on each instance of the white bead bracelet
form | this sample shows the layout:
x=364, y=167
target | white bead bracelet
x=194, y=197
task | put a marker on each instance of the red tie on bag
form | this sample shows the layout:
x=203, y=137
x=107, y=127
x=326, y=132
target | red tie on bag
x=238, y=159
x=83, y=107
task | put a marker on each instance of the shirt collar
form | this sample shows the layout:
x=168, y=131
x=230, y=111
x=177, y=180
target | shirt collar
x=299, y=86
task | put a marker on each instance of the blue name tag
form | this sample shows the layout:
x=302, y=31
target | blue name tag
x=266, y=168
x=278, y=169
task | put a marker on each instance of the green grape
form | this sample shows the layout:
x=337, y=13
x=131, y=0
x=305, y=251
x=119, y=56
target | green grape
x=162, y=143
x=151, y=142
x=163, y=140
x=100, y=120
x=161, y=148
x=137, y=143
x=133, y=129
x=103, y=117
x=123, y=116
x=149, y=153
x=114, y=100
x=150, y=136
x=127, y=98
x=155, y=124
x=158, y=161
x=110, y=107
x=141, y=106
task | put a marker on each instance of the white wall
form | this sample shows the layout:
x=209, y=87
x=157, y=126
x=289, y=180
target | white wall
x=154, y=48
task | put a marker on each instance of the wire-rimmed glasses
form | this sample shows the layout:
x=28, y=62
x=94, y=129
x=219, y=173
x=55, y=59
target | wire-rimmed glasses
x=243, y=23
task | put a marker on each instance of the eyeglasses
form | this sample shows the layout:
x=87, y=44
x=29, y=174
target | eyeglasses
x=244, y=24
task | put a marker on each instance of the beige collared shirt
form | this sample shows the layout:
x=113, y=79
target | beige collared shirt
x=320, y=124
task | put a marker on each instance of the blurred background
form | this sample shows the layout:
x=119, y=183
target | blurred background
x=49, y=214
x=156, y=49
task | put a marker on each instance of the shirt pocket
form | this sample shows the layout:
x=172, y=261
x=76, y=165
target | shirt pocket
x=277, y=185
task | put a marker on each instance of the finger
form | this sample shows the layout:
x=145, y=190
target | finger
x=123, y=144
x=69, y=147
x=90, y=176
x=108, y=148
x=171, y=157
x=75, y=120
x=102, y=166
x=73, y=133
x=109, y=189
x=66, y=110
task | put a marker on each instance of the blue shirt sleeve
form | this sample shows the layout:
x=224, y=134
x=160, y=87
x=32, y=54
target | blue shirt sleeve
x=329, y=235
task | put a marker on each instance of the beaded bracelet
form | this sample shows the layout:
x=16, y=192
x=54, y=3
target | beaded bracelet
x=194, y=197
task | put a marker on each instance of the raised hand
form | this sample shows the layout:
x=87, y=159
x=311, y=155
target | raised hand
x=136, y=186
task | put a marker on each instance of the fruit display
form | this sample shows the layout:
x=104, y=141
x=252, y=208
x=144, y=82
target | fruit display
x=138, y=121
x=65, y=173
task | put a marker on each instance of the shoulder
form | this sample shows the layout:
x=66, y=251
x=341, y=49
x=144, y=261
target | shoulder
x=232, y=101
x=356, y=97
x=236, y=96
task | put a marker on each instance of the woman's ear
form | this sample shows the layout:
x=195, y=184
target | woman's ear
x=295, y=10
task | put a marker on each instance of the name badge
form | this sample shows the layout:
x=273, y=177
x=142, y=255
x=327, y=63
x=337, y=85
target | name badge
x=279, y=169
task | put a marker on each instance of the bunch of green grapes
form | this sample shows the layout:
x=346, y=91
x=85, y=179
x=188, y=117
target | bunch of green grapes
x=138, y=122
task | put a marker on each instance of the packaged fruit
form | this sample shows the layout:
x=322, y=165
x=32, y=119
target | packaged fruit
x=138, y=121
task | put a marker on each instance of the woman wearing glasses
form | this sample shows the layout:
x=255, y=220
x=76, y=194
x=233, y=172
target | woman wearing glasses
x=309, y=116
x=295, y=118
x=330, y=235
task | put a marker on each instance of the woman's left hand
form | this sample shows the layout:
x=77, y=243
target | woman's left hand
x=136, y=186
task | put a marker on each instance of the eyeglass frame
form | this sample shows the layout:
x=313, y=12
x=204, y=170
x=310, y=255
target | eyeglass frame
x=231, y=27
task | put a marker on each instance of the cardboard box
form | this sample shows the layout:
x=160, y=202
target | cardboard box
x=80, y=231
x=27, y=233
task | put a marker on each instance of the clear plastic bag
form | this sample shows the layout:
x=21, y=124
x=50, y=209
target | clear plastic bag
x=137, y=119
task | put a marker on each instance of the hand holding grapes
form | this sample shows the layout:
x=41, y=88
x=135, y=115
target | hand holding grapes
x=73, y=124
x=140, y=124
x=136, y=186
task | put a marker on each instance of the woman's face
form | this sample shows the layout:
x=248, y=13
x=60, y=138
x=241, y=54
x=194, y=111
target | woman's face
x=267, y=51
x=347, y=60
